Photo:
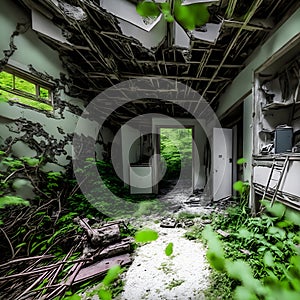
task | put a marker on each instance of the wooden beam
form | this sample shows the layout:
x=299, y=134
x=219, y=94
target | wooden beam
x=95, y=75
x=237, y=24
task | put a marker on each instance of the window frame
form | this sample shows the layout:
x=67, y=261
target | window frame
x=37, y=82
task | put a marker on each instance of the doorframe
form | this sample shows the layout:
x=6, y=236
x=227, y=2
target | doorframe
x=156, y=146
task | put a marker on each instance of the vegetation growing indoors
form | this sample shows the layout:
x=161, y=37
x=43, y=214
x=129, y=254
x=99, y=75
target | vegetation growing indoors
x=84, y=87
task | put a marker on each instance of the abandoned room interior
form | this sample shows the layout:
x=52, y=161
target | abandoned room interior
x=90, y=91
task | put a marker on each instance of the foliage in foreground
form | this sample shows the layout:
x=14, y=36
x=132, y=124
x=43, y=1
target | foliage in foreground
x=259, y=259
x=44, y=224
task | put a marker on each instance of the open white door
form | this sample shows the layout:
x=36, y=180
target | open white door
x=222, y=163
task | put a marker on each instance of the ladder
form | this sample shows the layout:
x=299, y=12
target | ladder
x=281, y=169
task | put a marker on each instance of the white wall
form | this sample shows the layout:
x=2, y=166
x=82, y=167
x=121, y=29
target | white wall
x=289, y=183
x=31, y=50
x=130, y=148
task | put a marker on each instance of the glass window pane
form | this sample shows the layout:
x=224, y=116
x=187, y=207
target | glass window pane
x=6, y=80
x=44, y=93
x=24, y=85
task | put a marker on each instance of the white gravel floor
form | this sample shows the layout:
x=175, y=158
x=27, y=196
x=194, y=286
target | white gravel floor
x=153, y=275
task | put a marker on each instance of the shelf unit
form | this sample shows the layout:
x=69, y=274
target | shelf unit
x=276, y=126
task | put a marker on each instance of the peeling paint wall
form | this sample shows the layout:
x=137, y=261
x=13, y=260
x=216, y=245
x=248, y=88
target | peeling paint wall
x=29, y=132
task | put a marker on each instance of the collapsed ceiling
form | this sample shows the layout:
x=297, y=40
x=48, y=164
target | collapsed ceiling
x=97, y=53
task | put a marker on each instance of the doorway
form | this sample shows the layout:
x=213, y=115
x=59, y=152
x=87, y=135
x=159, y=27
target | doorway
x=175, y=165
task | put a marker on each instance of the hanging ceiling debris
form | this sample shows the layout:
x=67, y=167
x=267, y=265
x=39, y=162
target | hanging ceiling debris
x=102, y=43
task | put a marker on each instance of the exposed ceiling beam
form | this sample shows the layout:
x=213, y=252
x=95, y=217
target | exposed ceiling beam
x=237, y=24
x=174, y=63
x=135, y=75
x=249, y=15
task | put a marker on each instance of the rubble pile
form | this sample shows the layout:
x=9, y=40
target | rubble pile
x=44, y=277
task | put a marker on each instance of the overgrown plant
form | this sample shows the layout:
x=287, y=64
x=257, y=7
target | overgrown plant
x=253, y=257
x=44, y=224
x=259, y=258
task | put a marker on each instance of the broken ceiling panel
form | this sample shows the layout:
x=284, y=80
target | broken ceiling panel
x=150, y=32
x=126, y=11
x=181, y=39
x=151, y=39
x=46, y=27
x=208, y=33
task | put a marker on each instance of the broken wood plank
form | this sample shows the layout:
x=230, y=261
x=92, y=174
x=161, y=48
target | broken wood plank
x=102, y=236
x=116, y=249
x=100, y=268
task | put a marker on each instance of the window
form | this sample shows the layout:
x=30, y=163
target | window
x=22, y=88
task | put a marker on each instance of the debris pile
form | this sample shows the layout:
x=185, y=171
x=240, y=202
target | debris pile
x=172, y=223
x=44, y=277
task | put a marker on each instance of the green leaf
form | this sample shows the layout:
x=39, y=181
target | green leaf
x=215, y=253
x=104, y=294
x=245, y=233
x=21, y=245
x=169, y=18
x=166, y=10
x=284, y=224
x=216, y=261
x=278, y=209
x=293, y=216
x=54, y=175
x=238, y=186
x=12, y=200
x=191, y=16
x=242, y=293
x=277, y=232
x=112, y=274
x=146, y=235
x=268, y=259
x=73, y=297
x=241, y=161
x=147, y=9
x=169, y=249
x=234, y=270
x=242, y=271
x=183, y=17
x=33, y=162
